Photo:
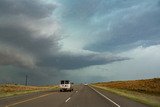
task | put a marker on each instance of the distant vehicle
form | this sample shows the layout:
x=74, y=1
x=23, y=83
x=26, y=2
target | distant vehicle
x=66, y=85
x=85, y=84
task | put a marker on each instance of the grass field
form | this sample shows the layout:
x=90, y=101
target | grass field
x=145, y=91
x=149, y=86
x=11, y=89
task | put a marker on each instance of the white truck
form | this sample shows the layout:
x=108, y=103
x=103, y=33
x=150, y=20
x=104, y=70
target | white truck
x=66, y=85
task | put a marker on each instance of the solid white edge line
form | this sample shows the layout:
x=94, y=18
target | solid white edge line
x=68, y=99
x=105, y=97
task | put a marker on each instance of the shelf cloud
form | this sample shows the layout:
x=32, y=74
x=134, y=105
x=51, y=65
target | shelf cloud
x=33, y=33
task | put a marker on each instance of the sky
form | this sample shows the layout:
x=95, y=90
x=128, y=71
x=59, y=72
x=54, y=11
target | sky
x=81, y=40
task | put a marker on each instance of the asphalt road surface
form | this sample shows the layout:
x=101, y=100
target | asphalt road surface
x=82, y=96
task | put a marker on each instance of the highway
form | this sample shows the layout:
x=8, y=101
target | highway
x=82, y=96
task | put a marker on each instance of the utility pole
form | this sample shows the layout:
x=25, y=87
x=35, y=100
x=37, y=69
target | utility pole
x=26, y=80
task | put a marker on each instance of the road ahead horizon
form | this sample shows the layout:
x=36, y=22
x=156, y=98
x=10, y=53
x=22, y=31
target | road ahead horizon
x=82, y=96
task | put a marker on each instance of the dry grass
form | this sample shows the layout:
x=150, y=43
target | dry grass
x=10, y=89
x=149, y=86
x=145, y=91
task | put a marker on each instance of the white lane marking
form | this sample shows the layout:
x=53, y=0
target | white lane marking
x=68, y=99
x=105, y=97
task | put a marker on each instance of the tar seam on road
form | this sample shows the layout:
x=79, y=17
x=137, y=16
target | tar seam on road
x=27, y=100
x=68, y=99
x=105, y=97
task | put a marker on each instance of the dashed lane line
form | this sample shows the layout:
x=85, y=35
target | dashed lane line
x=68, y=99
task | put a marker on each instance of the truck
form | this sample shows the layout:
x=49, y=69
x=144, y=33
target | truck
x=66, y=85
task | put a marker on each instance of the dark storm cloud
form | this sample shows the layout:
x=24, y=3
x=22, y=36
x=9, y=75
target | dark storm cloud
x=11, y=56
x=23, y=34
x=29, y=41
x=42, y=76
x=31, y=8
x=21, y=41
x=71, y=61
x=22, y=37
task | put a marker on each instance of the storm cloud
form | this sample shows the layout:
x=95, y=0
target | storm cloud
x=70, y=61
x=128, y=26
x=114, y=25
x=32, y=8
x=21, y=43
x=30, y=37
x=59, y=39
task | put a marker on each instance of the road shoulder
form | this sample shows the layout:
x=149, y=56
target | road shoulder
x=121, y=97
